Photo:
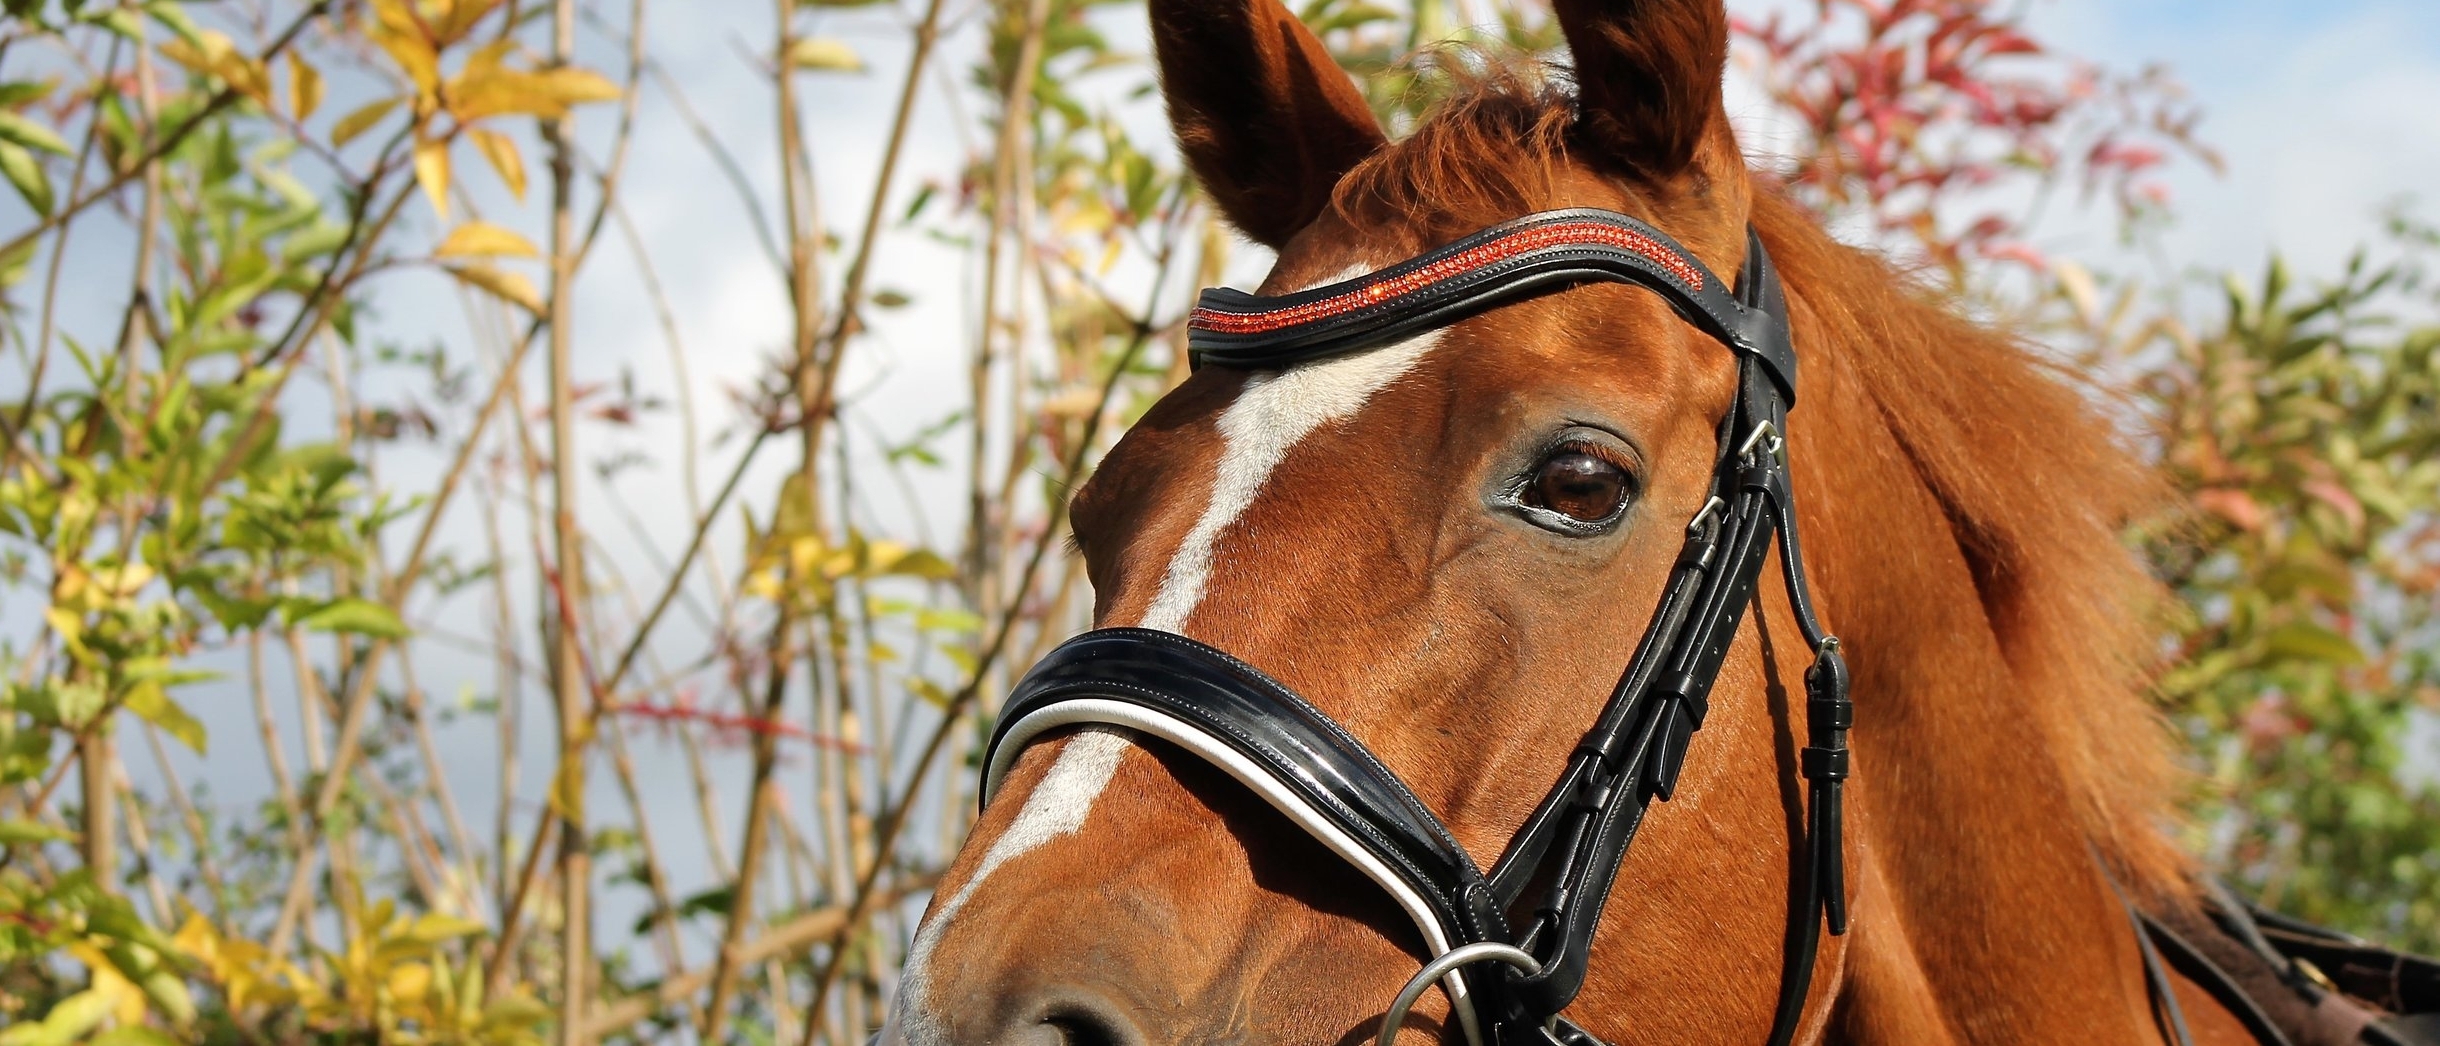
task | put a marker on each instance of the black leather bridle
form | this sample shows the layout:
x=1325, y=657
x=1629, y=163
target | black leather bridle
x=1535, y=912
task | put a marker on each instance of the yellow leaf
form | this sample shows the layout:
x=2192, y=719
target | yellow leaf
x=484, y=238
x=461, y=18
x=432, y=172
x=409, y=982
x=360, y=121
x=69, y=625
x=212, y=54
x=402, y=37
x=568, y=790
x=123, y=581
x=507, y=286
x=304, y=87
x=822, y=52
x=578, y=86
x=249, y=77
x=120, y=995
x=486, y=89
x=501, y=150
x=202, y=56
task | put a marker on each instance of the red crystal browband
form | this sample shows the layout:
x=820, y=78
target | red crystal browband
x=1374, y=288
x=1540, y=252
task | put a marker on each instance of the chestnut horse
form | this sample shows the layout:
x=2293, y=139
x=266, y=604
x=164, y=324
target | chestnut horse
x=1451, y=544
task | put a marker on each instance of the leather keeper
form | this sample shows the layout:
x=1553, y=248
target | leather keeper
x=1824, y=764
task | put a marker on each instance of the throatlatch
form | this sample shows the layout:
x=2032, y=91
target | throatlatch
x=1536, y=911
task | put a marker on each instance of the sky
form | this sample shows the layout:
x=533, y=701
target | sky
x=2322, y=111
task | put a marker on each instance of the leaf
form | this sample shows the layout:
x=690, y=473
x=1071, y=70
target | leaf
x=127, y=24
x=314, y=241
x=67, y=1021
x=823, y=52
x=507, y=286
x=932, y=693
x=25, y=172
x=948, y=619
x=2076, y=282
x=355, y=616
x=434, y=927
x=2305, y=641
x=501, y=151
x=14, y=833
x=400, y=33
x=153, y=703
x=304, y=87
x=488, y=89
x=173, y=17
x=922, y=563
x=409, y=982
x=16, y=128
x=476, y=239
x=432, y=173
x=360, y=120
x=567, y=798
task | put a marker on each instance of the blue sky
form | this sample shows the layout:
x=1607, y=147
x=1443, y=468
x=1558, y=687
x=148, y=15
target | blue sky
x=2323, y=110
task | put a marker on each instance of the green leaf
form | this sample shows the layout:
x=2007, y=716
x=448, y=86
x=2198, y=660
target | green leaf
x=19, y=92
x=25, y=172
x=948, y=619
x=357, y=617
x=2305, y=641
x=13, y=833
x=923, y=563
x=433, y=928
x=16, y=128
x=153, y=703
x=172, y=16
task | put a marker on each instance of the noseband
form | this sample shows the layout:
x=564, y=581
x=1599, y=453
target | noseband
x=1557, y=872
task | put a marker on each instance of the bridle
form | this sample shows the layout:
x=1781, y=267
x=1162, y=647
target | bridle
x=1558, y=870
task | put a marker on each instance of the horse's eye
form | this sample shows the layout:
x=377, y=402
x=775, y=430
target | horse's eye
x=1579, y=486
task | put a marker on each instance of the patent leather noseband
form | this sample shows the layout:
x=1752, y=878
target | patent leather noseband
x=1537, y=908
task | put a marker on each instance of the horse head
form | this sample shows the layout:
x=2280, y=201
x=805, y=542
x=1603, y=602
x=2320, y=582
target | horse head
x=1438, y=550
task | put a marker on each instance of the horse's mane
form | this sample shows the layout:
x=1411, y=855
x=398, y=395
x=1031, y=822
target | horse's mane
x=2035, y=481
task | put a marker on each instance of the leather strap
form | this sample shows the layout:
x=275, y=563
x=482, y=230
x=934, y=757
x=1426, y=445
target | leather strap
x=1293, y=742
x=1530, y=255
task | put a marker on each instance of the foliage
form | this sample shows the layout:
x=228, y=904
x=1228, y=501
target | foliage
x=2306, y=423
x=1933, y=119
x=218, y=485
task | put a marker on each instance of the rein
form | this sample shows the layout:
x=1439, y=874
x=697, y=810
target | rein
x=1557, y=872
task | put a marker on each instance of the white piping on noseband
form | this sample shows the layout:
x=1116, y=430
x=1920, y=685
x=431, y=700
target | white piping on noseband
x=1193, y=738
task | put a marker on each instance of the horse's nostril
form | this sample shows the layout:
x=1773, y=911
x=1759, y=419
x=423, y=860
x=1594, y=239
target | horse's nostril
x=1086, y=1021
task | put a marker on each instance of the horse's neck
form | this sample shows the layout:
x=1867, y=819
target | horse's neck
x=1980, y=913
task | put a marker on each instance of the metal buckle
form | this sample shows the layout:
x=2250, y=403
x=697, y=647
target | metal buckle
x=1710, y=509
x=1764, y=430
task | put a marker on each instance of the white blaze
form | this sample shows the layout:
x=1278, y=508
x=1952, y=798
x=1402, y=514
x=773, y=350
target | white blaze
x=1272, y=413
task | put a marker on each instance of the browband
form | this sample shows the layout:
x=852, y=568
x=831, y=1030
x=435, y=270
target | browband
x=1531, y=255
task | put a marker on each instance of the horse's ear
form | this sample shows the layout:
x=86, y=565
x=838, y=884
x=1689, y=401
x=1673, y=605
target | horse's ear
x=1647, y=79
x=1267, y=120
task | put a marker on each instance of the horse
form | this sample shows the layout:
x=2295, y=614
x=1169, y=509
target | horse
x=1416, y=558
